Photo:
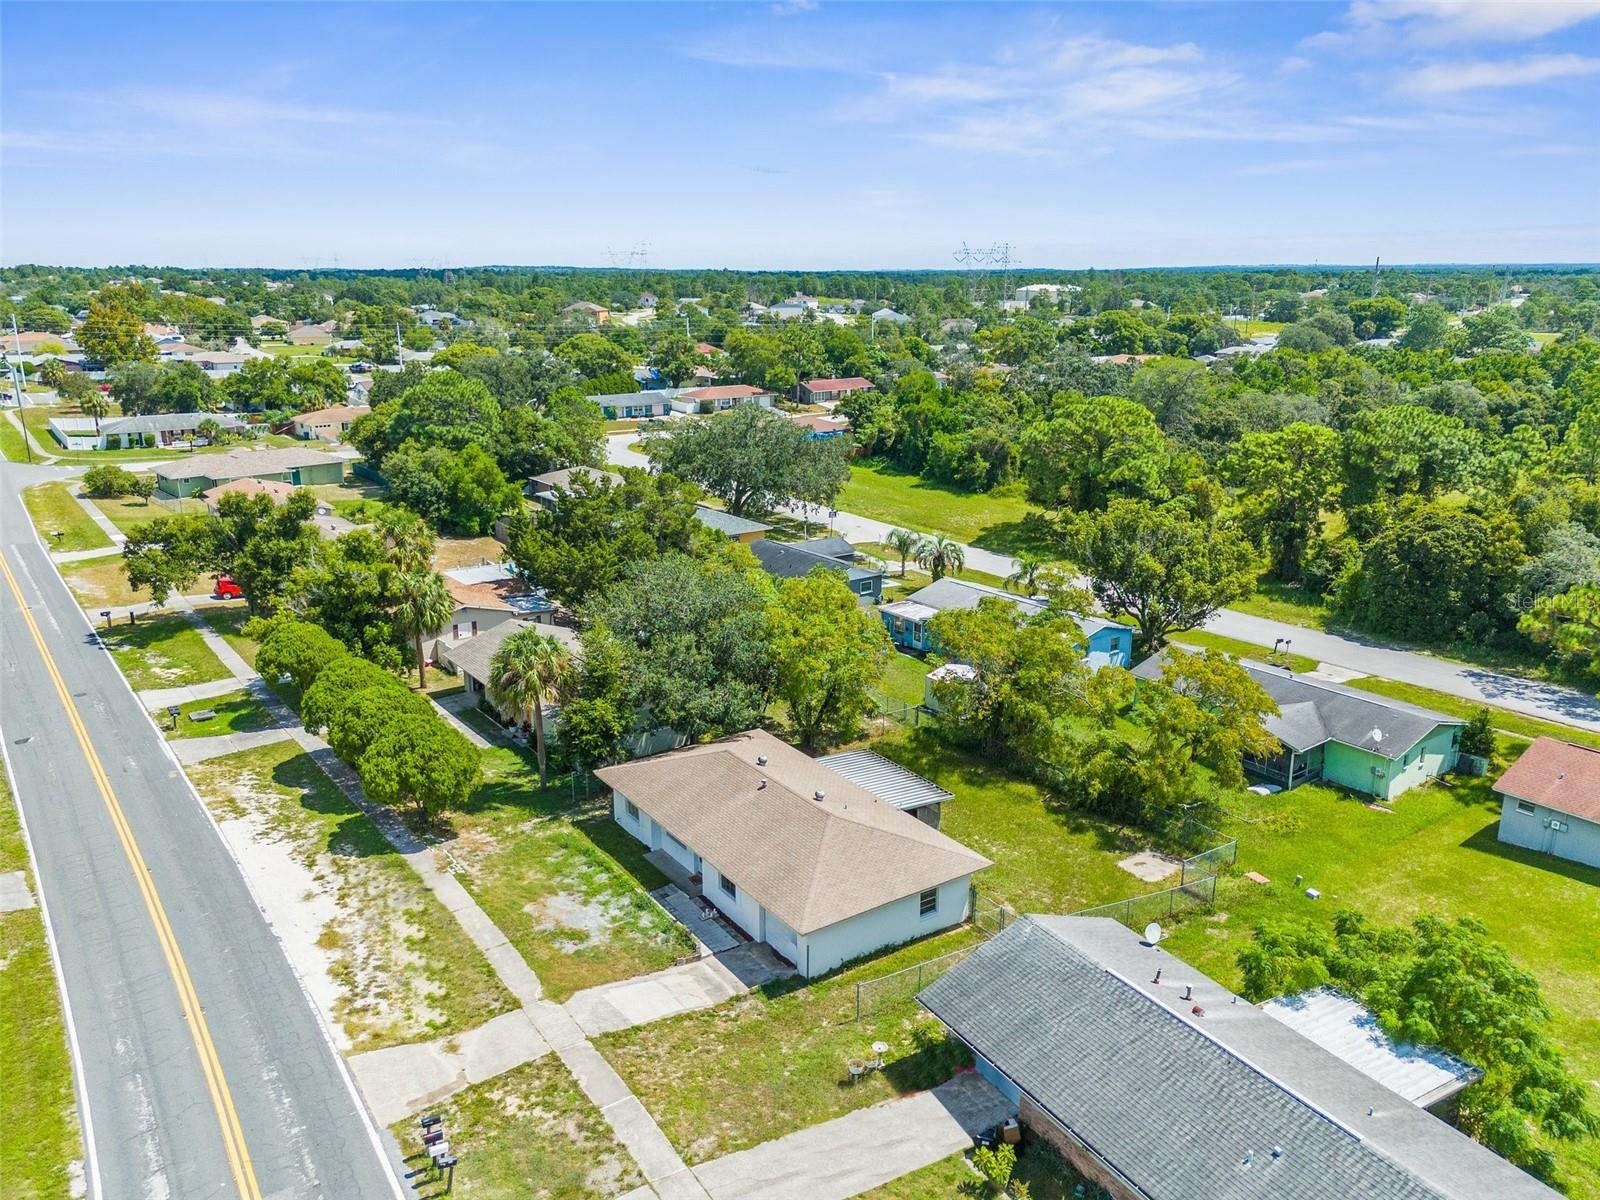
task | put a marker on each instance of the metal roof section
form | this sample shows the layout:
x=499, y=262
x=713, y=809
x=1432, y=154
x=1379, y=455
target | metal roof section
x=887, y=780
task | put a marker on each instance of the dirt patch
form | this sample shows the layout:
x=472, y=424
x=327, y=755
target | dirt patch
x=1150, y=866
x=580, y=921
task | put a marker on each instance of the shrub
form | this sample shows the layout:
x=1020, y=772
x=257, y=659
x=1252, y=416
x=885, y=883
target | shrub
x=109, y=481
x=995, y=1165
x=1477, y=739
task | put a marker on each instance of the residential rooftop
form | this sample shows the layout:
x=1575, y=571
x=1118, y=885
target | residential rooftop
x=234, y=464
x=1557, y=775
x=726, y=522
x=886, y=779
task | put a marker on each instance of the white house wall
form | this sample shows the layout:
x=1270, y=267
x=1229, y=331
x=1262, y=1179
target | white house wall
x=888, y=925
x=1577, y=840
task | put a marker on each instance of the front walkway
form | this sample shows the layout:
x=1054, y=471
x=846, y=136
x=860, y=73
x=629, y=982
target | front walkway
x=860, y=1150
x=684, y=988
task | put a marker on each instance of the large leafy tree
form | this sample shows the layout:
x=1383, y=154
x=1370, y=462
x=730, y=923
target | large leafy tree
x=1405, y=448
x=528, y=671
x=753, y=458
x=1286, y=480
x=593, y=355
x=1094, y=451
x=418, y=760
x=1569, y=624
x=1447, y=984
x=599, y=529
x=828, y=653
x=114, y=333
x=296, y=649
x=695, y=639
x=348, y=588
x=1436, y=572
x=443, y=408
x=1161, y=565
x=1026, y=676
x=461, y=491
x=596, y=718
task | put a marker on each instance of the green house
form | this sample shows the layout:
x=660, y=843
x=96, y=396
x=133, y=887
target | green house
x=297, y=466
x=1365, y=743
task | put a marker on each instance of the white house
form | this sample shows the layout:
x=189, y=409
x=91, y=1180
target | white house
x=792, y=852
x=490, y=595
x=719, y=398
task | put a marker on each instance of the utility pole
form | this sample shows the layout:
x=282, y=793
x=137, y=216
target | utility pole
x=399, y=348
x=1377, y=267
x=16, y=385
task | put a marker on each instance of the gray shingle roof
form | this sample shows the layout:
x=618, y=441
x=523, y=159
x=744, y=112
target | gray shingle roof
x=1185, y=1105
x=791, y=560
x=811, y=863
x=168, y=422
x=242, y=463
x=948, y=593
x=1313, y=711
x=473, y=655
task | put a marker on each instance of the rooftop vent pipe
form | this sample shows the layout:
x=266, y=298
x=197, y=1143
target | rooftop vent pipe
x=762, y=786
x=819, y=795
x=761, y=760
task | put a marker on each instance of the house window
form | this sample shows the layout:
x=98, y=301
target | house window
x=928, y=902
x=632, y=809
x=1525, y=808
x=729, y=888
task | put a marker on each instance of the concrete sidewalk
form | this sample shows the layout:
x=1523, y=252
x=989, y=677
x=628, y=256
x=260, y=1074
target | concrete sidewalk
x=400, y=1080
x=860, y=1150
x=684, y=988
x=202, y=749
x=154, y=698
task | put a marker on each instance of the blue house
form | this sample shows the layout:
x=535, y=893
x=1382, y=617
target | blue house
x=791, y=560
x=1106, y=643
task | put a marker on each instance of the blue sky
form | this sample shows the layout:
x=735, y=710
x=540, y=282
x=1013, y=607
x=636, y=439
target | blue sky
x=799, y=134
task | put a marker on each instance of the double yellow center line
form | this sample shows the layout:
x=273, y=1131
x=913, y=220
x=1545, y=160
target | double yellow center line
x=210, y=1065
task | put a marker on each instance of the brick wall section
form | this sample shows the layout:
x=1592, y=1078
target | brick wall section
x=1042, y=1125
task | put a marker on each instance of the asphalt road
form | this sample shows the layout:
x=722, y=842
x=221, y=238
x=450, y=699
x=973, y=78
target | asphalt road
x=167, y=1099
x=1362, y=656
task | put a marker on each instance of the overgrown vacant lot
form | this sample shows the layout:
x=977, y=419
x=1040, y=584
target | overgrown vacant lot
x=566, y=886
x=1435, y=854
x=162, y=652
x=995, y=520
x=390, y=962
x=528, y=1133
x=39, y=1138
x=101, y=583
x=772, y=1062
x=55, y=510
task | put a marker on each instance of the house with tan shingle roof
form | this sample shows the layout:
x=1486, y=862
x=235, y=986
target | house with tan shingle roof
x=792, y=852
x=1550, y=801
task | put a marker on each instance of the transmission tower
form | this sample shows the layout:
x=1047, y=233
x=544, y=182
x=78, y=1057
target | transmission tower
x=981, y=261
x=635, y=259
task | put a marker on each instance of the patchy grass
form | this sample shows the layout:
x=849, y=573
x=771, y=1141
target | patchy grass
x=466, y=552
x=561, y=880
x=355, y=499
x=40, y=1147
x=1253, y=328
x=1045, y=1172
x=101, y=583
x=528, y=1133
x=237, y=712
x=1454, y=706
x=1436, y=854
x=1201, y=639
x=163, y=652
x=229, y=620
x=129, y=514
x=1001, y=520
x=1047, y=857
x=54, y=510
x=404, y=968
x=728, y=1078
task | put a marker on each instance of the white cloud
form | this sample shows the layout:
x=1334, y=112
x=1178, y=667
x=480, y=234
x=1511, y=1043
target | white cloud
x=1293, y=64
x=790, y=8
x=1444, y=78
x=1457, y=20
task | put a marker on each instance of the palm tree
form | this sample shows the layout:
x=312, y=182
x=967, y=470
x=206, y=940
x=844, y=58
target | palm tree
x=95, y=404
x=529, y=668
x=904, y=543
x=425, y=605
x=409, y=539
x=1026, y=576
x=938, y=555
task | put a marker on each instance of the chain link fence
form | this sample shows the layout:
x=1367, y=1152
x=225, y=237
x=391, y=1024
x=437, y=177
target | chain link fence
x=1138, y=911
x=900, y=986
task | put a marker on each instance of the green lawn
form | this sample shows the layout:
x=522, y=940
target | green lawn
x=405, y=969
x=1282, y=602
x=101, y=583
x=1437, y=854
x=902, y=680
x=237, y=712
x=11, y=443
x=728, y=1078
x=54, y=509
x=229, y=620
x=1256, y=328
x=530, y=1132
x=129, y=514
x=1455, y=706
x=1201, y=639
x=994, y=520
x=1038, y=1165
x=163, y=652
x=39, y=1137
x=564, y=883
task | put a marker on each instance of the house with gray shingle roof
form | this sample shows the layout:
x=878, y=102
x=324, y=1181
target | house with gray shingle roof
x=1158, y=1083
x=792, y=852
x=1357, y=740
x=1105, y=642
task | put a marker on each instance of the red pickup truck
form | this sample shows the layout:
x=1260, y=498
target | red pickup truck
x=227, y=589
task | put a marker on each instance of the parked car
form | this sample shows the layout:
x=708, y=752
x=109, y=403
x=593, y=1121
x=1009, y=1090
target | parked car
x=227, y=589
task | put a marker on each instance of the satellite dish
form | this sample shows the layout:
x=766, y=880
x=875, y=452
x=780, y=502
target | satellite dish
x=1152, y=933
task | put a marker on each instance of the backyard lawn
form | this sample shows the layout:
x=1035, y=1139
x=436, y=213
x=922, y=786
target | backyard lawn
x=55, y=510
x=530, y=1132
x=237, y=712
x=129, y=514
x=1045, y=1172
x=565, y=884
x=162, y=652
x=39, y=1139
x=728, y=1078
x=403, y=968
x=902, y=680
x=355, y=499
x=101, y=583
x=994, y=520
x=1435, y=854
